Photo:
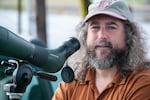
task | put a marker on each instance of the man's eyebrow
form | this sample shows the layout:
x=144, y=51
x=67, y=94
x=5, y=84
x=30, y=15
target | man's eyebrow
x=93, y=22
x=112, y=23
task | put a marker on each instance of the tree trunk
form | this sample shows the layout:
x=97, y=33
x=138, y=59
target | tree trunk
x=41, y=20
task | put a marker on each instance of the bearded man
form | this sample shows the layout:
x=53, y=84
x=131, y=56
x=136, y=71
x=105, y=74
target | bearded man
x=113, y=65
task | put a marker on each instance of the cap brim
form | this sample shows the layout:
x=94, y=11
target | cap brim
x=104, y=13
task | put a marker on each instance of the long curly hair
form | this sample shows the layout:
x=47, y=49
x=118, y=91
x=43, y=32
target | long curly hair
x=135, y=54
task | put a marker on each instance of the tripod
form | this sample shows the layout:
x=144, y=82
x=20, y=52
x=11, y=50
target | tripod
x=22, y=74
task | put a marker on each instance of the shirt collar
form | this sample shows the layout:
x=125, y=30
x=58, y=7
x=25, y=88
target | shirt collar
x=118, y=79
x=90, y=75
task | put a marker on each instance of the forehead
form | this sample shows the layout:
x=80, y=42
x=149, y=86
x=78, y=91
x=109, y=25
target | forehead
x=105, y=18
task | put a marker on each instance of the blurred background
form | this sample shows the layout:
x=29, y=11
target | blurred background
x=49, y=18
x=54, y=21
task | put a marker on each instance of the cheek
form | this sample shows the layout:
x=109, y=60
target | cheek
x=90, y=40
x=119, y=42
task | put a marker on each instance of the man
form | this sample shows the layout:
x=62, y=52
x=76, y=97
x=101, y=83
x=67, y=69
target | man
x=114, y=66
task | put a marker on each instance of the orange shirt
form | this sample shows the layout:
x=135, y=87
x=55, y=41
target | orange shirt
x=133, y=87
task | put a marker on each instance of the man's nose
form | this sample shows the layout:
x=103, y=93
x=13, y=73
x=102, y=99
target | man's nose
x=102, y=34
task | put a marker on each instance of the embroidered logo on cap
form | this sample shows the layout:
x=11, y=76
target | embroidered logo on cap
x=105, y=3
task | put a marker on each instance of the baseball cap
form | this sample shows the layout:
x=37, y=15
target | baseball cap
x=114, y=8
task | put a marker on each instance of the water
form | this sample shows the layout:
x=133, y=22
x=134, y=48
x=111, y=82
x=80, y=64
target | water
x=59, y=27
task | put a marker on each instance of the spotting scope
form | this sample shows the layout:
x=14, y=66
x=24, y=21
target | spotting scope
x=50, y=60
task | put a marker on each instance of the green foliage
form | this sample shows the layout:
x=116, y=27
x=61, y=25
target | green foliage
x=64, y=1
x=147, y=1
x=11, y=4
x=136, y=1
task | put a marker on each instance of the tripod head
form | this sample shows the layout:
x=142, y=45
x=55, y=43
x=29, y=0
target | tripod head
x=22, y=74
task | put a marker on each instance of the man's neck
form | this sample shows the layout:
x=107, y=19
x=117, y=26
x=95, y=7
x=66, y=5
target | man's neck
x=106, y=73
x=104, y=77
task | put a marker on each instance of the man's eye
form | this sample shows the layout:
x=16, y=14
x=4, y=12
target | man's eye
x=111, y=27
x=95, y=27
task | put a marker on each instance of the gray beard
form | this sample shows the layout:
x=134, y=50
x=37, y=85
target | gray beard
x=115, y=57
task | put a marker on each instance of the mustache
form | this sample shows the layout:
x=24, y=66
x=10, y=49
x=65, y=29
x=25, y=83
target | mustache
x=103, y=44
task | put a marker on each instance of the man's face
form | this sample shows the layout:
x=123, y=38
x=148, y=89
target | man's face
x=105, y=38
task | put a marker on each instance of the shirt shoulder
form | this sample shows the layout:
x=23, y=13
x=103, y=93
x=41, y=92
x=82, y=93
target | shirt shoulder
x=65, y=90
x=142, y=74
x=74, y=89
x=138, y=83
